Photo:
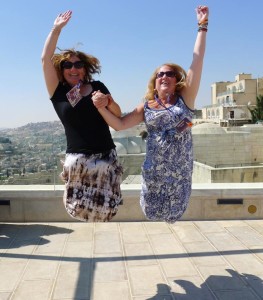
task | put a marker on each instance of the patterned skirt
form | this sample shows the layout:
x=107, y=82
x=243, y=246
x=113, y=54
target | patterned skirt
x=92, y=186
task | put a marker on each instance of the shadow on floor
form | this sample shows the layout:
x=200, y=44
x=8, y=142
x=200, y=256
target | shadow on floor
x=236, y=286
x=28, y=234
x=229, y=286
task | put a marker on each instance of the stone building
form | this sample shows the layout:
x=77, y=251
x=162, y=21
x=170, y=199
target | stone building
x=230, y=100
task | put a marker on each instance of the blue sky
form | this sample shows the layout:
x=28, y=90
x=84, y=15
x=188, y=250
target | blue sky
x=131, y=38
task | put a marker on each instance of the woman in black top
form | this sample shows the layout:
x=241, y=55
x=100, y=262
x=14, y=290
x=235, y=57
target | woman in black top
x=91, y=170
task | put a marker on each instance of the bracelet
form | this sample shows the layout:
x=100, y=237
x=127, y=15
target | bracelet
x=205, y=21
x=202, y=27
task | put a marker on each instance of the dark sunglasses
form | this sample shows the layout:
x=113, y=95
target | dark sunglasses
x=167, y=73
x=68, y=64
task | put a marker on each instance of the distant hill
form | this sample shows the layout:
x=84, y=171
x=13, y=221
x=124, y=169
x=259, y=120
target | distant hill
x=31, y=148
x=54, y=127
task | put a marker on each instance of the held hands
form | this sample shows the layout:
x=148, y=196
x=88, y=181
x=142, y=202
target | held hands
x=62, y=19
x=202, y=13
x=101, y=100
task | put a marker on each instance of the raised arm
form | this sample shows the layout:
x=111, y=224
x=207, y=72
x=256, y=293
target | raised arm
x=194, y=73
x=49, y=70
x=131, y=119
x=118, y=123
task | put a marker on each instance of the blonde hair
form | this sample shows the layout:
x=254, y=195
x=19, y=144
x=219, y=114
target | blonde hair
x=91, y=63
x=180, y=75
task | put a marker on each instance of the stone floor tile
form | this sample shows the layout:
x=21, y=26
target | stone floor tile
x=226, y=243
x=73, y=281
x=255, y=282
x=230, y=223
x=59, y=227
x=166, y=243
x=133, y=261
x=157, y=227
x=189, y=288
x=10, y=274
x=245, y=263
x=33, y=290
x=209, y=226
x=19, y=251
x=81, y=232
x=139, y=254
x=111, y=226
x=30, y=231
x=5, y=296
x=188, y=233
x=41, y=269
x=221, y=277
x=109, y=268
x=154, y=297
x=257, y=251
x=256, y=225
x=5, y=243
x=133, y=232
x=143, y=280
x=47, y=246
x=244, y=294
x=177, y=267
x=78, y=249
x=203, y=253
x=111, y=290
x=247, y=236
x=107, y=242
x=10, y=229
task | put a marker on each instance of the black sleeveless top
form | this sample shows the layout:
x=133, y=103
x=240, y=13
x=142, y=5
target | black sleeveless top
x=85, y=129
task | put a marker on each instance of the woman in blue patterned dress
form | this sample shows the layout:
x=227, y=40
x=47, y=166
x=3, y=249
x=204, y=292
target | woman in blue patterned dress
x=167, y=113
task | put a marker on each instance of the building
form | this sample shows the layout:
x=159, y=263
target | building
x=230, y=100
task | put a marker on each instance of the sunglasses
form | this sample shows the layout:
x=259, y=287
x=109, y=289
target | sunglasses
x=167, y=73
x=68, y=64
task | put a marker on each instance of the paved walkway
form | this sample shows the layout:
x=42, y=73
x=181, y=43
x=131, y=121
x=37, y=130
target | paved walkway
x=137, y=261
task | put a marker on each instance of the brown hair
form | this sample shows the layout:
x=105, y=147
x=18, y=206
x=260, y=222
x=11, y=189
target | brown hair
x=180, y=75
x=91, y=63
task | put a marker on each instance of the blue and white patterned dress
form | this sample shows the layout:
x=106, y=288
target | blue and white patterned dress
x=167, y=169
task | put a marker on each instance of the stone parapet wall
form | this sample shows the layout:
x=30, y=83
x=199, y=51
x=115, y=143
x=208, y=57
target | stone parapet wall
x=131, y=163
x=240, y=145
x=205, y=174
x=44, y=203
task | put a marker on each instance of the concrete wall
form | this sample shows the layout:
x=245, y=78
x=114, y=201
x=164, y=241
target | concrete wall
x=206, y=174
x=131, y=163
x=239, y=145
x=201, y=173
x=44, y=203
x=242, y=174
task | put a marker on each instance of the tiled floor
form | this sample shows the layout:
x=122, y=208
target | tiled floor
x=199, y=260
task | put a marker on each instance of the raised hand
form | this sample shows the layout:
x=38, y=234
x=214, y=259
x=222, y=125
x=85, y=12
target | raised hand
x=202, y=13
x=62, y=19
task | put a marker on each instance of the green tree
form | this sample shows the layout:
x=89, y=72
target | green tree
x=257, y=112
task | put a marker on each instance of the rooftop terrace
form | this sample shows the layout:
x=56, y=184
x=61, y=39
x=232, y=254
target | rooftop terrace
x=214, y=252
x=201, y=260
